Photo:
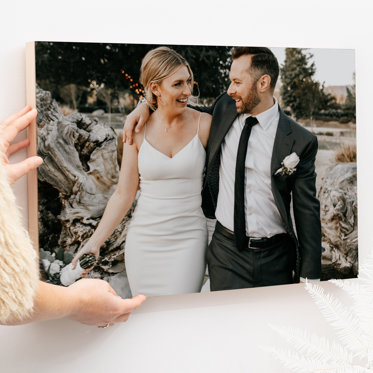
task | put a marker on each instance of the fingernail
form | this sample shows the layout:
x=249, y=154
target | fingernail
x=38, y=161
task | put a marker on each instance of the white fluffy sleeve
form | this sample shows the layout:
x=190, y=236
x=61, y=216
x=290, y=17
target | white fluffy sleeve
x=19, y=272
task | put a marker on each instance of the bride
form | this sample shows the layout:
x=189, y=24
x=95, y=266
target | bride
x=167, y=235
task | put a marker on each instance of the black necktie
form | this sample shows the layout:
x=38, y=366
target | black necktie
x=239, y=185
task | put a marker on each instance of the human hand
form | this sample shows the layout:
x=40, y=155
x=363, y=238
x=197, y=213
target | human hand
x=96, y=303
x=135, y=121
x=88, y=248
x=9, y=129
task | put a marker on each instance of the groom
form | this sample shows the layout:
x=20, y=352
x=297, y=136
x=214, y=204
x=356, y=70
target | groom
x=250, y=182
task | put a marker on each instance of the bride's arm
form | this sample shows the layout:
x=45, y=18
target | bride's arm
x=204, y=129
x=118, y=204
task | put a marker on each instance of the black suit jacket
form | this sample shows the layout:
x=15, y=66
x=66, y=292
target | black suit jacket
x=300, y=186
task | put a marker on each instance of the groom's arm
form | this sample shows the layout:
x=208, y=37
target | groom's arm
x=207, y=109
x=139, y=116
x=306, y=208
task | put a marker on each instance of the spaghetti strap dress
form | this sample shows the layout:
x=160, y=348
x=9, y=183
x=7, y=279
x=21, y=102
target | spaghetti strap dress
x=167, y=235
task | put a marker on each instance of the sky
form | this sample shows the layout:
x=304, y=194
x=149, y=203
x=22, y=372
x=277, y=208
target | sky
x=333, y=66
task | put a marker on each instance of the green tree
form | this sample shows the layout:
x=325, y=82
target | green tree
x=327, y=100
x=210, y=66
x=350, y=102
x=117, y=66
x=299, y=91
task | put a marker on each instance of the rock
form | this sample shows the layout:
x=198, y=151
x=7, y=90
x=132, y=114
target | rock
x=54, y=268
x=98, y=112
x=338, y=202
x=46, y=264
x=46, y=255
x=78, y=176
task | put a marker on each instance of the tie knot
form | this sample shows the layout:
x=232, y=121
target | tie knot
x=250, y=121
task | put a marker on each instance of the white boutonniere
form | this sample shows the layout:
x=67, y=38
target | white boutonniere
x=288, y=165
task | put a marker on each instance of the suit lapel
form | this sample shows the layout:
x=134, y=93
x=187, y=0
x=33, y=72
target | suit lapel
x=282, y=147
x=283, y=143
x=221, y=127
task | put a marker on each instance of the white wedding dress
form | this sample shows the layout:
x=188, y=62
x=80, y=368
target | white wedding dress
x=167, y=235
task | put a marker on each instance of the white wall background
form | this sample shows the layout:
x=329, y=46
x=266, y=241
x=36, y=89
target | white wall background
x=220, y=332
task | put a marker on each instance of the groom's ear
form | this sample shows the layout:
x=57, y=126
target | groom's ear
x=264, y=83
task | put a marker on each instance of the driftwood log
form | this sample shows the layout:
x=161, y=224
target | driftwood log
x=78, y=176
x=338, y=202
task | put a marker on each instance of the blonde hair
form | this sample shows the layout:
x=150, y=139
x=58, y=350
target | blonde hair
x=157, y=65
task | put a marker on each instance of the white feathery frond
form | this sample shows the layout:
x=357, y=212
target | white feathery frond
x=363, y=309
x=343, y=320
x=315, y=347
x=296, y=362
x=365, y=280
x=364, y=303
x=362, y=306
x=353, y=369
x=349, y=286
x=353, y=324
x=301, y=364
x=361, y=291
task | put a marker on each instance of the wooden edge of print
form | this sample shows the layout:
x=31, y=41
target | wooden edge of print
x=32, y=188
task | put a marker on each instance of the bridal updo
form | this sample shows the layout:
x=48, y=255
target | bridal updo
x=157, y=65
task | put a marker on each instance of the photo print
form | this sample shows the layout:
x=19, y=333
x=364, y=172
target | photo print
x=83, y=93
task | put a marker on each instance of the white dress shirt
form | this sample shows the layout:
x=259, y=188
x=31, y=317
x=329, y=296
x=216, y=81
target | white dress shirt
x=262, y=216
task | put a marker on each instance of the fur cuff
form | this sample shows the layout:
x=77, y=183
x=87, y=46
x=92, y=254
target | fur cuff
x=19, y=273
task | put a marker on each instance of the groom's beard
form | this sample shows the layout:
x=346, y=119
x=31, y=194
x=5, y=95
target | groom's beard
x=252, y=100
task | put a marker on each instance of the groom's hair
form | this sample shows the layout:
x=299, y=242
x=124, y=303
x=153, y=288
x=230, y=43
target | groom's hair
x=263, y=62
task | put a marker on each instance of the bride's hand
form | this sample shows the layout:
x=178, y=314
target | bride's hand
x=86, y=249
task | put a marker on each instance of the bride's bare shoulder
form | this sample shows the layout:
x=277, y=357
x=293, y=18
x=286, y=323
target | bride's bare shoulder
x=204, y=128
x=195, y=115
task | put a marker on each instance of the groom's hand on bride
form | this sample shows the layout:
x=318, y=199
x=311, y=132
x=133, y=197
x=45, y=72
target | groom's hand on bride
x=135, y=121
